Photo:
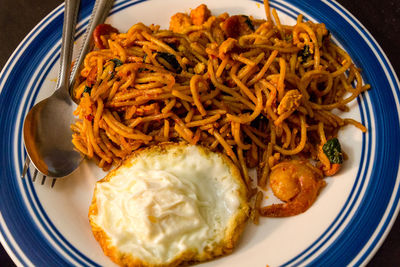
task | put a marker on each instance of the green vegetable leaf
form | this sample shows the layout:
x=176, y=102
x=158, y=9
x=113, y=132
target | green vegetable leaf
x=248, y=22
x=87, y=89
x=304, y=54
x=171, y=59
x=112, y=75
x=333, y=151
x=288, y=37
x=117, y=62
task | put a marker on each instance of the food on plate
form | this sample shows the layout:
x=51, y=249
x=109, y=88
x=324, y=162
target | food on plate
x=169, y=204
x=296, y=183
x=257, y=90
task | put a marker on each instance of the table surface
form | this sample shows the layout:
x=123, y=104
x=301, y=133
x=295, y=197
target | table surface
x=380, y=17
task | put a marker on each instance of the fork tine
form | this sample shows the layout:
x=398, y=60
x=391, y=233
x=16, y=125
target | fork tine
x=26, y=165
x=35, y=175
x=43, y=179
x=53, y=183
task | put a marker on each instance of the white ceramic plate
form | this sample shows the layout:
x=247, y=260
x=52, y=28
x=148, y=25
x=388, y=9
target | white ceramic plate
x=354, y=212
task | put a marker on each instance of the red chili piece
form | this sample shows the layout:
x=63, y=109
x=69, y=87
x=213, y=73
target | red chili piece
x=89, y=117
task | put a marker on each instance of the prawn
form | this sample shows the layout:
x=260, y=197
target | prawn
x=295, y=183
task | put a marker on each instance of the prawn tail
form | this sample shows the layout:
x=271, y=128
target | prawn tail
x=275, y=210
x=284, y=209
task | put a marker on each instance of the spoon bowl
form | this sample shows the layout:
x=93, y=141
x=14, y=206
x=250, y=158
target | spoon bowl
x=47, y=135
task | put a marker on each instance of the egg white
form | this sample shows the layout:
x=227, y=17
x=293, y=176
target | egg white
x=162, y=204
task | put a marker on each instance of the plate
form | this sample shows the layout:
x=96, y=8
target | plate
x=41, y=226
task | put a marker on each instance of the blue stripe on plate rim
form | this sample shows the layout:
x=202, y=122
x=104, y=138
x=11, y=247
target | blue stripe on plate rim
x=46, y=221
x=393, y=132
x=33, y=33
x=292, y=13
x=52, y=231
x=380, y=233
x=388, y=219
x=10, y=244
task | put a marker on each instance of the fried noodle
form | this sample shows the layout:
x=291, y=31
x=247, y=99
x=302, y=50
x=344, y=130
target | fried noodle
x=255, y=89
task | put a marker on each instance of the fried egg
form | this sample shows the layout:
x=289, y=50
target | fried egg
x=169, y=204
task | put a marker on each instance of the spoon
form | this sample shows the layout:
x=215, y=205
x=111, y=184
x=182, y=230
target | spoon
x=46, y=130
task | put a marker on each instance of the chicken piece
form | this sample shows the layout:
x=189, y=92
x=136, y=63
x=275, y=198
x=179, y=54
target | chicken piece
x=200, y=14
x=179, y=22
x=236, y=26
x=200, y=68
x=289, y=102
x=226, y=46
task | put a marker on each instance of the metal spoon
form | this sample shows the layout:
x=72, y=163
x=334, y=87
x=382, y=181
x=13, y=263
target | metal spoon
x=46, y=130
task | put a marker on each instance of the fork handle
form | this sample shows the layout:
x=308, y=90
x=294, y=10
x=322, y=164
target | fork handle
x=67, y=41
x=99, y=14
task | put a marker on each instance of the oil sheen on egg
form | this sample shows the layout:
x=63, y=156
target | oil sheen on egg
x=169, y=204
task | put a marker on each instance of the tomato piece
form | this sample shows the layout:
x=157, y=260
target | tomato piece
x=236, y=26
x=102, y=29
x=89, y=117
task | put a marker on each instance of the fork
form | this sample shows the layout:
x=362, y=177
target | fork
x=99, y=14
x=35, y=173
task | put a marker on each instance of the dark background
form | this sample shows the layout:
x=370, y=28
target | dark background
x=380, y=17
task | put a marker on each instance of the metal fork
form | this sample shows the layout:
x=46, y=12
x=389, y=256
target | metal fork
x=99, y=14
x=35, y=173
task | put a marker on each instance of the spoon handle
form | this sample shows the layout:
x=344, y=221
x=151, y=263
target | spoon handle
x=99, y=14
x=70, y=16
